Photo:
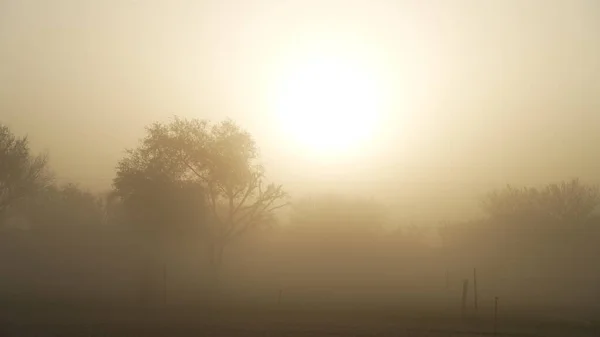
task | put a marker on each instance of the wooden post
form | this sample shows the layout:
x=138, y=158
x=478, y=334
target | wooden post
x=464, y=297
x=475, y=288
x=165, y=284
x=279, y=297
x=495, y=315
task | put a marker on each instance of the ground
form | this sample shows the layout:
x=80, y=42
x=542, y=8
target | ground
x=248, y=319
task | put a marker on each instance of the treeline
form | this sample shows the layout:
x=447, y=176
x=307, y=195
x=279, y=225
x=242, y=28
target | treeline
x=191, y=212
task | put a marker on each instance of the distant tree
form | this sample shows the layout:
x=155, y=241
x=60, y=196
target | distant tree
x=155, y=192
x=570, y=202
x=156, y=196
x=542, y=227
x=411, y=235
x=21, y=173
x=115, y=214
x=221, y=160
x=513, y=203
x=65, y=206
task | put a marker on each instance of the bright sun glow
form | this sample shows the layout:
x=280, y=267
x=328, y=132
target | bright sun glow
x=329, y=105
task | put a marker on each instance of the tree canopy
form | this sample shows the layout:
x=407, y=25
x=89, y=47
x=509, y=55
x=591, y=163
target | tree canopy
x=218, y=161
x=157, y=194
x=21, y=173
x=568, y=201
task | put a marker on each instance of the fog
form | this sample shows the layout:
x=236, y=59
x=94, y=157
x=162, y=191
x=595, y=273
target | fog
x=144, y=163
x=485, y=93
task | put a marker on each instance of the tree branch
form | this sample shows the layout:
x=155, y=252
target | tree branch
x=277, y=207
x=213, y=203
x=249, y=190
x=188, y=165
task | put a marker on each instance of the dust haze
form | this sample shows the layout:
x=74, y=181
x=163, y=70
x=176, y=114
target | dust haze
x=148, y=185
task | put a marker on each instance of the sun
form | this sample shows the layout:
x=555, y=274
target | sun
x=329, y=105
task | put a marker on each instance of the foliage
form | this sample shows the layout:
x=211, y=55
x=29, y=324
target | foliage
x=221, y=160
x=57, y=208
x=71, y=206
x=21, y=174
x=154, y=190
x=512, y=202
x=570, y=201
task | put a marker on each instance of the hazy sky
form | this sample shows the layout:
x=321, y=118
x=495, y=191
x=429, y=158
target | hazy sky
x=483, y=92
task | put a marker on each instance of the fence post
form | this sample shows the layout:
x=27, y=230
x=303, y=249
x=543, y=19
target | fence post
x=465, y=290
x=475, y=289
x=279, y=296
x=165, y=283
x=495, y=315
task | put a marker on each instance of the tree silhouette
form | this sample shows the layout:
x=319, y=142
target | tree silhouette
x=154, y=194
x=159, y=200
x=21, y=174
x=222, y=159
x=568, y=201
x=513, y=203
x=64, y=206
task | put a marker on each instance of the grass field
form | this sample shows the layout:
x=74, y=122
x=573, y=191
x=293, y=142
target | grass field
x=250, y=319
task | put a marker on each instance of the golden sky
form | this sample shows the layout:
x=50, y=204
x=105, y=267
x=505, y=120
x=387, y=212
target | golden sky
x=478, y=93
